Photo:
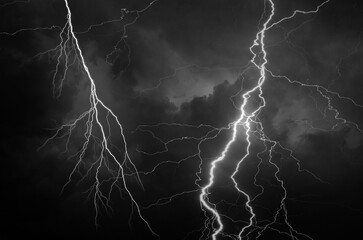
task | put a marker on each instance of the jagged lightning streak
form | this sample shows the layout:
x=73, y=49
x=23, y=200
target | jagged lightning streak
x=259, y=60
x=69, y=44
x=245, y=121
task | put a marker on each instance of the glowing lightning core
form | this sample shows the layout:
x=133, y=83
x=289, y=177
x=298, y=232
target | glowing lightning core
x=259, y=60
x=245, y=121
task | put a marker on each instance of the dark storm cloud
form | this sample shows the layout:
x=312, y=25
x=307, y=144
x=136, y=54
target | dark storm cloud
x=213, y=38
x=174, y=35
x=318, y=47
x=319, y=51
x=30, y=178
x=216, y=109
x=205, y=32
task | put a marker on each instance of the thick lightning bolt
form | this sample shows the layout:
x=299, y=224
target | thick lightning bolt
x=252, y=127
x=245, y=120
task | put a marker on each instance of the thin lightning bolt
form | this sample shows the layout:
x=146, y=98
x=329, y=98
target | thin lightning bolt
x=294, y=14
x=94, y=119
x=30, y=29
x=12, y=3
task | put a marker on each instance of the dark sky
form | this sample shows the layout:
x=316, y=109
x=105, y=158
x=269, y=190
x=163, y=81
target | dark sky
x=177, y=75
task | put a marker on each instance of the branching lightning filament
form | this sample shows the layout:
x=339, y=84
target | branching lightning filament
x=94, y=120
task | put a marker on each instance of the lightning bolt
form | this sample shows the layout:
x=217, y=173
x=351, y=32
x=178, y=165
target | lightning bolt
x=246, y=120
x=98, y=119
x=98, y=116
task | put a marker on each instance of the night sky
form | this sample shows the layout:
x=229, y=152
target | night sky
x=174, y=73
